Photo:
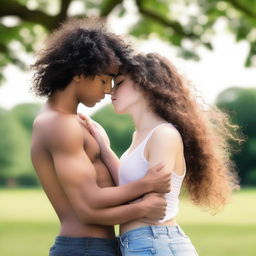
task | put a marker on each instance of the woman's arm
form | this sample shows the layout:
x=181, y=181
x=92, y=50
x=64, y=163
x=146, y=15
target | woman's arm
x=166, y=146
x=109, y=158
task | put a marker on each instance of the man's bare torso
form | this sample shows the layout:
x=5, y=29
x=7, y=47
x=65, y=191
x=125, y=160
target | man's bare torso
x=43, y=163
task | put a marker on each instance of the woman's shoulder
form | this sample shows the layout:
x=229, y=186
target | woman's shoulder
x=167, y=129
x=166, y=134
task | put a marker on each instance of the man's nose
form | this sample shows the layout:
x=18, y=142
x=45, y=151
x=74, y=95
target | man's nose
x=108, y=88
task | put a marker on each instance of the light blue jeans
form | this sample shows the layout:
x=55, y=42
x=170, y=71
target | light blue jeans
x=157, y=241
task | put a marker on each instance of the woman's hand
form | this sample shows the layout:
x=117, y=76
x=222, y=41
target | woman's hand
x=98, y=132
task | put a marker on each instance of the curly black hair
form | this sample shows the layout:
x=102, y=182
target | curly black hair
x=77, y=47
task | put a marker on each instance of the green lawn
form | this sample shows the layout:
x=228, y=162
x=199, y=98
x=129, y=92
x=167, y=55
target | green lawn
x=28, y=225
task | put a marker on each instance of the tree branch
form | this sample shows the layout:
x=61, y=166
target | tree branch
x=3, y=48
x=14, y=8
x=63, y=11
x=238, y=6
x=163, y=21
x=11, y=7
x=108, y=6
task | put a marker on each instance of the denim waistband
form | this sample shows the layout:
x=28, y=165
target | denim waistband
x=152, y=230
x=86, y=242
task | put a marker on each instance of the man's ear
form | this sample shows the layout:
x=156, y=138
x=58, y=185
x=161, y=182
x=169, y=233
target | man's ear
x=77, y=78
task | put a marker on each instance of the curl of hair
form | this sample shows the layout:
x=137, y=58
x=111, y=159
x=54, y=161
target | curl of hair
x=207, y=133
x=77, y=47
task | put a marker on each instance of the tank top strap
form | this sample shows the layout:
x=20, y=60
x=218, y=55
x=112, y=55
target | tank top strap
x=151, y=132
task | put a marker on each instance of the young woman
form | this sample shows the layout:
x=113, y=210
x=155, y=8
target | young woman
x=172, y=128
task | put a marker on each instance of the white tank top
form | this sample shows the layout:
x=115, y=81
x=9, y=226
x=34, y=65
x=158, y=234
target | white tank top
x=134, y=166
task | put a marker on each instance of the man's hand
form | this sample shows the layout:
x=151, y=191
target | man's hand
x=155, y=205
x=159, y=181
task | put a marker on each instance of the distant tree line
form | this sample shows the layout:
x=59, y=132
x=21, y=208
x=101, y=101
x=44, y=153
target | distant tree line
x=15, y=129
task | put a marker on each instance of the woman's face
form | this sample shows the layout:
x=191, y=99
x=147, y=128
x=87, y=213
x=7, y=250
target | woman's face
x=125, y=96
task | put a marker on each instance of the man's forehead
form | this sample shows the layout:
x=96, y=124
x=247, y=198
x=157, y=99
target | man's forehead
x=112, y=70
x=112, y=74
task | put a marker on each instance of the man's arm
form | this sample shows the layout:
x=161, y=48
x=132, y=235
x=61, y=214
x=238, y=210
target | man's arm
x=110, y=159
x=77, y=177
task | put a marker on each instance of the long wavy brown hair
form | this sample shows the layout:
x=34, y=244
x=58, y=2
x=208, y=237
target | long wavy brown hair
x=207, y=132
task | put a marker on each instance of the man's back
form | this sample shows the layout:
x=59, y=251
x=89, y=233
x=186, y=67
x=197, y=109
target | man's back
x=48, y=130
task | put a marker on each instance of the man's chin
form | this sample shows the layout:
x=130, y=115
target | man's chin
x=90, y=105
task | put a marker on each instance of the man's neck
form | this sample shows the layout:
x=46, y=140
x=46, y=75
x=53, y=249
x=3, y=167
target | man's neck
x=64, y=101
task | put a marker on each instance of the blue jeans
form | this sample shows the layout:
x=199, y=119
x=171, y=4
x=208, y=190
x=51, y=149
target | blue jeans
x=85, y=246
x=157, y=241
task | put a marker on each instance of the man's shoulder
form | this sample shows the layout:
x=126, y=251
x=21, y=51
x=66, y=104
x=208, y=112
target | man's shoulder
x=58, y=128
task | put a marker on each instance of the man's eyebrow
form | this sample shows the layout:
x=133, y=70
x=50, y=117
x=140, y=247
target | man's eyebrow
x=119, y=74
x=112, y=74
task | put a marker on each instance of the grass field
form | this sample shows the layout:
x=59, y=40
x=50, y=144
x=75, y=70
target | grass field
x=28, y=225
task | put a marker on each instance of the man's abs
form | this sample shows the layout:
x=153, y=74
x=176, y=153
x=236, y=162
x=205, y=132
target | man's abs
x=70, y=223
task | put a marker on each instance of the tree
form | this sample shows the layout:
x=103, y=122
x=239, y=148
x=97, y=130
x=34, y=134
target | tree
x=15, y=129
x=25, y=115
x=240, y=104
x=13, y=145
x=187, y=24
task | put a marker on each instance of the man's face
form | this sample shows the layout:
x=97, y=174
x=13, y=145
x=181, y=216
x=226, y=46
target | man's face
x=93, y=90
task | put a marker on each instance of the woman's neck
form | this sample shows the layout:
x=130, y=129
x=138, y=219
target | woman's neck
x=144, y=119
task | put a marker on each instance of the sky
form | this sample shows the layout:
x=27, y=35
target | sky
x=217, y=70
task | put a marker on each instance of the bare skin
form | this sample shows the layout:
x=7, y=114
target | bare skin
x=79, y=186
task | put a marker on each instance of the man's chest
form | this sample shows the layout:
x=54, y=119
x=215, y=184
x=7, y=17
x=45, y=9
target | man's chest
x=91, y=147
x=92, y=150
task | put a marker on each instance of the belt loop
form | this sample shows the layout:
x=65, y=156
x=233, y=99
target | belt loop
x=168, y=232
x=87, y=244
x=121, y=241
x=179, y=229
x=153, y=229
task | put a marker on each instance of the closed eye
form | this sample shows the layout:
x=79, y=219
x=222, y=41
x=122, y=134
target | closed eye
x=119, y=83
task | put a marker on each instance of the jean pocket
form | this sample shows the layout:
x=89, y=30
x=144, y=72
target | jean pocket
x=102, y=253
x=140, y=244
x=183, y=249
x=66, y=251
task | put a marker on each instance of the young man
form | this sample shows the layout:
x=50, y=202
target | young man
x=77, y=65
